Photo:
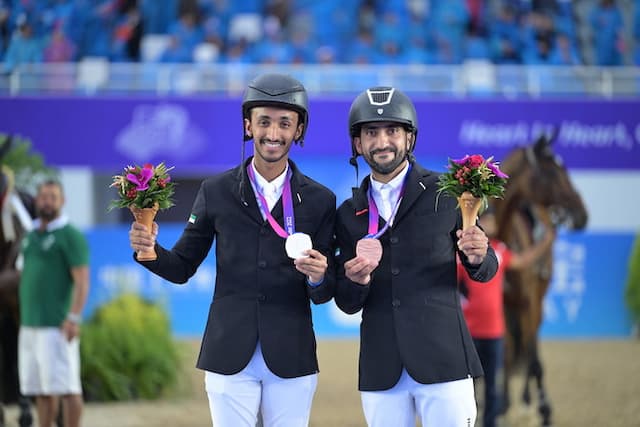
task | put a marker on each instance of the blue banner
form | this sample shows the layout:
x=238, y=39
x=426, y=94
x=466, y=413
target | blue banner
x=200, y=135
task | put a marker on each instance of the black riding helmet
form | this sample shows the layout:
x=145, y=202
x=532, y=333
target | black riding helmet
x=382, y=104
x=277, y=90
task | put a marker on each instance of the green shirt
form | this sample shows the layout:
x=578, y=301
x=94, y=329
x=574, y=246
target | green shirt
x=46, y=283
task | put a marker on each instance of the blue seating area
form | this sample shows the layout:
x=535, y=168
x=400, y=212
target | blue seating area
x=551, y=32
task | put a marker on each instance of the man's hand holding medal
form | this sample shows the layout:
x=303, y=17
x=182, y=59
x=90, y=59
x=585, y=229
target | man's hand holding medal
x=297, y=245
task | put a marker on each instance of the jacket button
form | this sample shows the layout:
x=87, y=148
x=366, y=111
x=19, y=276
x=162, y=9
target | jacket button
x=395, y=303
x=393, y=240
x=395, y=271
x=262, y=263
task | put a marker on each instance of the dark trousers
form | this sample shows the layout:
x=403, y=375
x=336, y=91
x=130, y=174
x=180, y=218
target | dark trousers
x=491, y=352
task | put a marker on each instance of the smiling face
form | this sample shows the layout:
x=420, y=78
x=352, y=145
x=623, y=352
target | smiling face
x=384, y=146
x=273, y=130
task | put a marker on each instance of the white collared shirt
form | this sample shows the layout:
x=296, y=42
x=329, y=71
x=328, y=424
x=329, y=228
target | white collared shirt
x=386, y=194
x=270, y=190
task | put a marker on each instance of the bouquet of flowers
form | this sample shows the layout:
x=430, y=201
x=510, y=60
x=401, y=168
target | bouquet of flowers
x=472, y=180
x=144, y=190
x=143, y=187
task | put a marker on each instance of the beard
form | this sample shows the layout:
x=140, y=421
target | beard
x=47, y=213
x=388, y=167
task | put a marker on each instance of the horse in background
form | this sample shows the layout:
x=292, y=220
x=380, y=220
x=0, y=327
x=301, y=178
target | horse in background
x=538, y=191
x=16, y=211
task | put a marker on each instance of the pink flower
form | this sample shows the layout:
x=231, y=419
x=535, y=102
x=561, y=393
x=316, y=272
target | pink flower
x=496, y=171
x=461, y=161
x=142, y=179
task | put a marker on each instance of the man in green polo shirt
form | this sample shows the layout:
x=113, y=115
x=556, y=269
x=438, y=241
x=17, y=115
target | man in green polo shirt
x=53, y=290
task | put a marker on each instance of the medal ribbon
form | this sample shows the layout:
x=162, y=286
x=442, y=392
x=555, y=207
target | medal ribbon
x=287, y=205
x=373, y=232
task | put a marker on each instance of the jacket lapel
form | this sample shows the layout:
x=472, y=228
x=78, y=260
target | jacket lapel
x=361, y=202
x=416, y=185
x=244, y=193
x=298, y=182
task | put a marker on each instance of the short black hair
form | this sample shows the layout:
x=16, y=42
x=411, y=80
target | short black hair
x=50, y=181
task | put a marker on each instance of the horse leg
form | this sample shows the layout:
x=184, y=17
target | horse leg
x=3, y=370
x=25, y=419
x=509, y=362
x=526, y=394
x=544, y=406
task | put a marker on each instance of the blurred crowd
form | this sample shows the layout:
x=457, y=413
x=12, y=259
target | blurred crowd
x=554, y=32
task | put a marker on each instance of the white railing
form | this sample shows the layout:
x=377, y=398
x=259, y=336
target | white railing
x=98, y=76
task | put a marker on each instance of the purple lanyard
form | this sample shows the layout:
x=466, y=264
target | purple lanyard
x=373, y=210
x=287, y=205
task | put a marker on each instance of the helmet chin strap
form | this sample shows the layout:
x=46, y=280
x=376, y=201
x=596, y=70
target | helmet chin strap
x=353, y=161
x=241, y=189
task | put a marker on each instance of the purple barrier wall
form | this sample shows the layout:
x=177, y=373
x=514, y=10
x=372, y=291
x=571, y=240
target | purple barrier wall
x=202, y=135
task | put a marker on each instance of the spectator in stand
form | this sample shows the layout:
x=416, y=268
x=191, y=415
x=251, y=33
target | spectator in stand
x=477, y=13
x=59, y=47
x=450, y=26
x=563, y=52
x=237, y=52
x=476, y=46
x=186, y=34
x=127, y=34
x=483, y=309
x=215, y=24
x=418, y=28
x=5, y=29
x=389, y=37
x=33, y=10
x=303, y=45
x=607, y=27
x=362, y=50
x=24, y=47
x=565, y=21
x=636, y=33
x=537, y=33
x=274, y=48
x=157, y=15
x=504, y=36
x=541, y=53
x=98, y=21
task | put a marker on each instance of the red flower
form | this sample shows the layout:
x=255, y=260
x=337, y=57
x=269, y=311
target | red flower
x=162, y=183
x=475, y=160
x=131, y=193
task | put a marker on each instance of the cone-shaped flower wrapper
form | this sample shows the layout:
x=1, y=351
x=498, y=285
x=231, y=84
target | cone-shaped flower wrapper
x=469, y=208
x=145, y=217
